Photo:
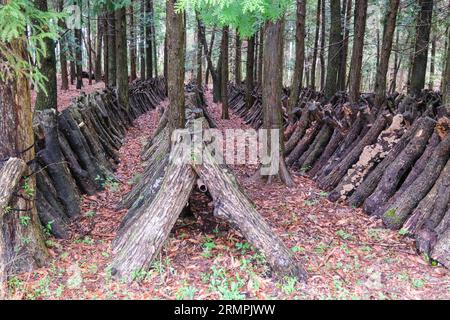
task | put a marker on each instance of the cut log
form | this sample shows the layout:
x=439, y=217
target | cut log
x=332, y=180
x=303, y=144
x=369, y=158
x=234, y=206
x=369, y=184
x=399, y=211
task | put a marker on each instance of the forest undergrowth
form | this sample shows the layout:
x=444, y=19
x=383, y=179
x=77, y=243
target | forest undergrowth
x=347, y=254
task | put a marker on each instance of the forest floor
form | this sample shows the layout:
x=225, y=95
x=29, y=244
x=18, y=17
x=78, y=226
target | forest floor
x=347, y=254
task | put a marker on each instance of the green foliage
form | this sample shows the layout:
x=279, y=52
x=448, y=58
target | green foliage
x=21, y=22
x=244, y=15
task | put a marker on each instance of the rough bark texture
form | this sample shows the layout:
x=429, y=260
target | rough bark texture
x=299, y=58
x=334, y=49
x=388, y=35
x=249, y=81
x=224, y=72
x=121, y=56
x=419, y=63
x=357, y=51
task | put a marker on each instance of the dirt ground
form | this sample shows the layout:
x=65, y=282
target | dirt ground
x=347, y=254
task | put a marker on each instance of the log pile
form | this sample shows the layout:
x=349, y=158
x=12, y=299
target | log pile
x=393, y=160
x=164, y=191
x=76, y=150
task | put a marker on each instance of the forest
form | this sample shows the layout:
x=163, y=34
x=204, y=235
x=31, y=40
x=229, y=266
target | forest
x=224, y=149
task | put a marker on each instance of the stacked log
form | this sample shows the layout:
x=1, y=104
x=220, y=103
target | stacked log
x=164, y=191
x=393, y=160
x=76, y=150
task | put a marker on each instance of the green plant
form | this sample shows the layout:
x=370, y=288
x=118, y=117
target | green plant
x=297, y=249
x=185, y=292
x=24, y=220
x=243, y=247
x=288, y=285
x=48, y=228
x=310, y=203
x=418, y=283
x=344, y=235
x=208, y=246
x=228, y=288
x=29, y=191
x=90, y=214
x=85, y=240
x=135, y=179
x=403, y=232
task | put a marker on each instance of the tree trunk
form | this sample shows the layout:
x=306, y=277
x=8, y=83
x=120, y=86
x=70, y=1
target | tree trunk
x=121, y=57
x=63, y=51
x=346, y=12
x=133, y=42
x=175, y=67
x=249, y=81
x=446, y=77
x=98, y=48
x=357, y=50
x=112, y=66
x=388, y=35
x=142, y=39
x=238, y=60
x=423, y=28
x=89, y=42
x=78, y=49
x=299, y=59
x=199, y=56
x=322, y=48
x=224, y=72
x=148, y=39
x=316, y=44
x=271, y=97
x=334, y=49
x=155, y=51
x=23, y=243
x=259, y=78
x=47, y=99
x=432, y=63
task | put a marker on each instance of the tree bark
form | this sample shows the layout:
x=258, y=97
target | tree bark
x=112, y=63
x=388, y=35
x=334, y=49
x=78, y=49
x=271, y=93
x=47, y=99
x=238, y=60
x=224, y=72
x=133, y=42
x=63, y=51
x=249, y=81
x=121, y=57
x=423, y=28
x=148, y=39
x=297, y=80
x=316, y=44
x=98, y=47
x=357, y=50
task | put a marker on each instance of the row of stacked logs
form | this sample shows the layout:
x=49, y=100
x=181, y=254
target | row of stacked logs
x=392, y=160
x=76, y=149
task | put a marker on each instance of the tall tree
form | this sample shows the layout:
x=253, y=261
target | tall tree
x=175, y=66
x=112, y=63
x=98, y=48
x=299, y=58
x=238, y=59
x=47, y=99
x=446, y=74
x=316, y=44
x=261, y=57
x=89, y=41
x=423, y=27
x=79, y=48
x=155, y=45
x=121, y=54
x=148, y=39
x=142, y=39
x=224, y=71
x=357, y=50
x=133, y=41
x=63, y=50
x=22, y=246
x=334, y=49
x=432, y=62
x=250, y=64
x=271, y=92
x=199, y=55
x=346, y=12
x=322, y=47
x=386, y=48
